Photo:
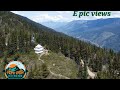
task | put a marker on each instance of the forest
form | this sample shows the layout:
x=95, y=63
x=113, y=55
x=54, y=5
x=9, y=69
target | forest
x=19, y=34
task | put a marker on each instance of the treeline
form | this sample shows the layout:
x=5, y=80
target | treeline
x=19, y=34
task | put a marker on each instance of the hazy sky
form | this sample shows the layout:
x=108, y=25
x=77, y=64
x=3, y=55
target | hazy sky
x=43, y=16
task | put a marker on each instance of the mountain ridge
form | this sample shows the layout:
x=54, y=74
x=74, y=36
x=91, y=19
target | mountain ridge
x=17, y=36
x=94, y=29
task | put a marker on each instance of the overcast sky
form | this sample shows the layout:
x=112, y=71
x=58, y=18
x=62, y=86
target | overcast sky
x=61, y=16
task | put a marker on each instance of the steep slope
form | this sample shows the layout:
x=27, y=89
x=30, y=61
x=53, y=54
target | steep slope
x=71, y=26
x=19, y=36
x=104, y=32
x=59, y=65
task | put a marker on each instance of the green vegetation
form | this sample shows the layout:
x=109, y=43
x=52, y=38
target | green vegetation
x=59, y=64
x=18, y=33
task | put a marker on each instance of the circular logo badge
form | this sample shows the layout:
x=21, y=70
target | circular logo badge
x=15, y=70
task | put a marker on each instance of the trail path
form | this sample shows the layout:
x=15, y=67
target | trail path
x=58, y=75
x=31, y=64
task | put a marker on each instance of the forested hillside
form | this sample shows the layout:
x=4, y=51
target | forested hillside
x=102, y=32
x=20, y=35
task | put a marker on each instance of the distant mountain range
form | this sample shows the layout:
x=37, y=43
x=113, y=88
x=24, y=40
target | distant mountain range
x=102, y=32
x=65, y=53
x=53, y=25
